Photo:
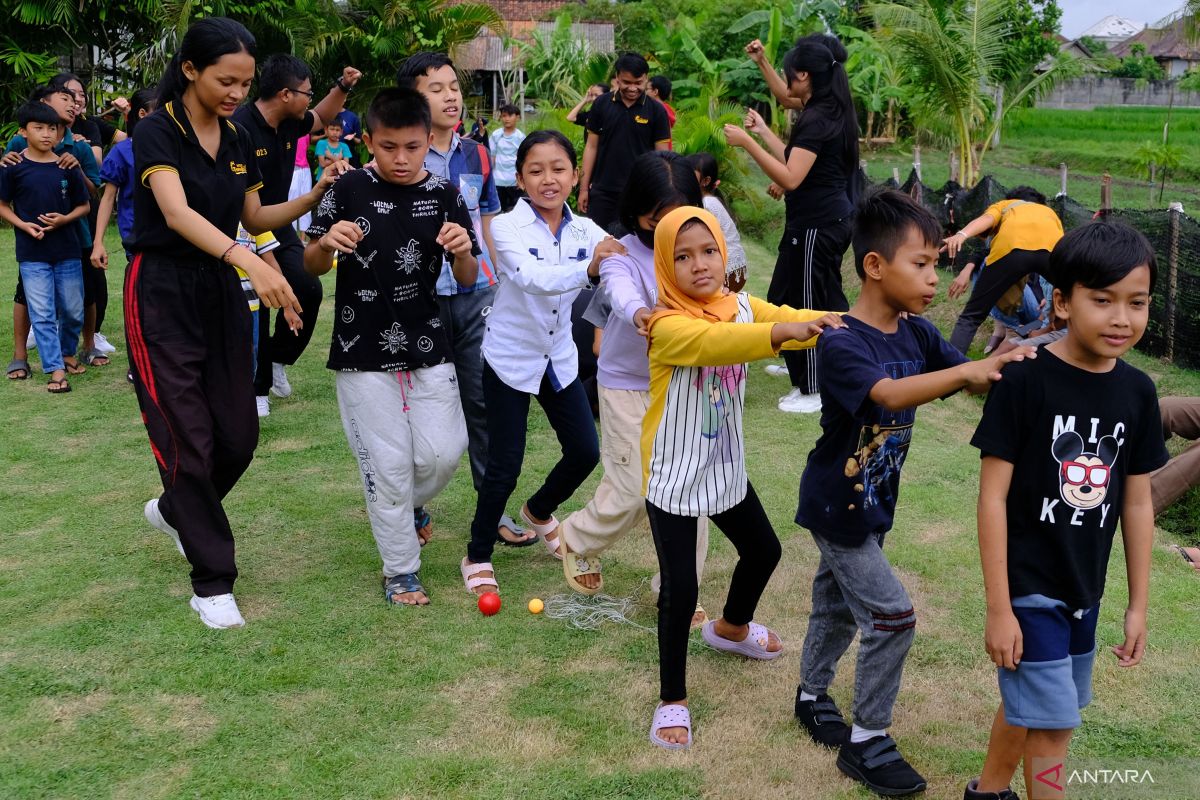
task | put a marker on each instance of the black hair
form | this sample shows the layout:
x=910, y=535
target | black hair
x=419, y=64
x=662, y=85
x=399, y=108
x=706, y=165
x=203, y=45
x=544, y=136
x=509, y=108
x=1027, y=193
x=281, y=71
x=657, y=180
x=37, y=111
x=40, y=93
x=823, y=57
x=1099, y=254
x=63, y=78
x=141, y=99
x=632, y=63
x=882, y=222
x=692, y=222
x=337, y=122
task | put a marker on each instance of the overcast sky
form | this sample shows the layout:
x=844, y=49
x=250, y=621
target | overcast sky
x=1079, y=15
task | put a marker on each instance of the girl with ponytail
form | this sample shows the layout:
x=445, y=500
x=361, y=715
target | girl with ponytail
x=187, y=322
x=816, y=170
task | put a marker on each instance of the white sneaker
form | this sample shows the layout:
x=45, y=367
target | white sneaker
x=794, y=394
x=801, y=403
x=776, y=370
x=218, y=611
x=264, y=405
x=279, y=382
x=102, y=344
x=155, y=518
x=30, y=342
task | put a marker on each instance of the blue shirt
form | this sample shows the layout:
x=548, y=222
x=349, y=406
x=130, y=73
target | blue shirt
x=350, y=124
x=468, y=167
x=82, y=151
x=33, y=188
x=117, y=169
x=850, y=484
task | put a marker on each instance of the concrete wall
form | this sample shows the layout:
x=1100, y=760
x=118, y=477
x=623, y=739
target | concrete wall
x=1087, y=93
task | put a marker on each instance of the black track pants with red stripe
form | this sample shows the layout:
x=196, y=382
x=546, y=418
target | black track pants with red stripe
x=187, y=326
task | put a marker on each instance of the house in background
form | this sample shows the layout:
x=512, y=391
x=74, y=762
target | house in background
x=495, y=64
x=1167, y=43
x=1112, y=30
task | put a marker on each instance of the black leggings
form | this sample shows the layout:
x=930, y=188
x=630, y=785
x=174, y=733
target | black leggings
x=808, y=274
x=994, y=280
x=747, y=527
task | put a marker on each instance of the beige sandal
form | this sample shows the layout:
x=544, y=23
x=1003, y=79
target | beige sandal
x=576, y=565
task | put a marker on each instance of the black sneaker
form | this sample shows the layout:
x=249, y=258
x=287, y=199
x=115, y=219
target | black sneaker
x=878, y=765
x=972, y=793
x=822, y=719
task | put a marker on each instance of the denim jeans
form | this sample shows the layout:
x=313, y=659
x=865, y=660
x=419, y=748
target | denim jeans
x=54, y=295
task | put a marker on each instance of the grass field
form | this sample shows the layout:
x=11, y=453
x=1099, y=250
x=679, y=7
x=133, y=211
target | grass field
x=1036, y=141
x=111, y=688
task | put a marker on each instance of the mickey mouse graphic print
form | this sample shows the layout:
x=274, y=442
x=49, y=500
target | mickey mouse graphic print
x=386, y=318
x=1072, y=437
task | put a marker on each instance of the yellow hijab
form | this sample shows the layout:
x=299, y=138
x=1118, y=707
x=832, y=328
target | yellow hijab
x=722, y=306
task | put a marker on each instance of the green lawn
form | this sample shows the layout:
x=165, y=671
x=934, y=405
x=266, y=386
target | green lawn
x=111, y=688
x=1036, y=141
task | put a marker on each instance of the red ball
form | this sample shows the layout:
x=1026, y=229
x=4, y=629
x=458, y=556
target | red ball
x=489, y=603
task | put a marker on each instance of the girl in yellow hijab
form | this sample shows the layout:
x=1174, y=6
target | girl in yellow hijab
x=700, y=338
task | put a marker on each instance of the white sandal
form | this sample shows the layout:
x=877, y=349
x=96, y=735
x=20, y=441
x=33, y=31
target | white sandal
x=671, y=716
x=469, y=570
x=543, y=529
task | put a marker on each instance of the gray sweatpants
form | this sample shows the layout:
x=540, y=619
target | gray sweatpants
x=407, y=431
x=465, y=318
x=855, y=589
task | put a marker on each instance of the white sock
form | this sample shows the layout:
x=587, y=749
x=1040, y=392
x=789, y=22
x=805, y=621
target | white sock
x=806, y=696
x=858, y=734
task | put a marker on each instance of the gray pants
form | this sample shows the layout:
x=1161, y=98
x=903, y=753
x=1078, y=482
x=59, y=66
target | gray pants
x=855, y=590
x=465, y=319
x=406, y=429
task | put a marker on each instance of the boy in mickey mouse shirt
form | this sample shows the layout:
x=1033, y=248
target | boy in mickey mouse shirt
x=1067, y=443
x=393, y=222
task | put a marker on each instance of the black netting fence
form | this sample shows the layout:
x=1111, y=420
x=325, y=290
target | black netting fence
x=1174, y=329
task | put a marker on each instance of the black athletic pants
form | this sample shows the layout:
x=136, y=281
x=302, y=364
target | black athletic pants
x=604, y=208
x=283, y=346
x=747, y=527
x=993, y=281
x=187, y=327
x=808, y=274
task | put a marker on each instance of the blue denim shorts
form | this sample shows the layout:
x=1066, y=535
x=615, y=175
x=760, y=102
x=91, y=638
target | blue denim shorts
x=1054, y=679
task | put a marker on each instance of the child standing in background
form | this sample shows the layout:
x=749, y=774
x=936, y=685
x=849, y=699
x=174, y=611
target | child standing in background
x=705, y=166
x=117, y=174
x=331, y=148
x=693, y=459
x=302, y=181
x=547, y=255
x=504, y=144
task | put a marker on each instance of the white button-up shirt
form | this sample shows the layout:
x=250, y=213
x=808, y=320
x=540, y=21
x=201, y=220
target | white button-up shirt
x=541, y=273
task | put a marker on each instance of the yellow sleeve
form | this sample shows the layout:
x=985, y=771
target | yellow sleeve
x=264, y=240
x=996, y=211
x=769, y=312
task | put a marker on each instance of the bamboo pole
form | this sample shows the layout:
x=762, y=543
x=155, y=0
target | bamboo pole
x=1106, y=193
x=1062, y=179
x=917, y=161
x=1173, y=213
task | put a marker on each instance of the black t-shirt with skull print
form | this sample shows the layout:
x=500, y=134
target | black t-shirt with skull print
x=385, y=302
x=1072, y=437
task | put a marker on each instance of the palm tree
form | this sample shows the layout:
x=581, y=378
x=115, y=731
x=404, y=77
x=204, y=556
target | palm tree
x=953, y=56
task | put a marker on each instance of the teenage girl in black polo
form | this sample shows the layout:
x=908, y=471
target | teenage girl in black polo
x=187, y=322
x=816, y=169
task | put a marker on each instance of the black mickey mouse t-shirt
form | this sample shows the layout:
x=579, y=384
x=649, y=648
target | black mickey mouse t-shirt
x=1072, y=437
x=385, y=302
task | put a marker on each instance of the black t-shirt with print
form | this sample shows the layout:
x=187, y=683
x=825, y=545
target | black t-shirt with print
x=385, y=305
x=824, y=195
x=1072, y=437
x=852, y=478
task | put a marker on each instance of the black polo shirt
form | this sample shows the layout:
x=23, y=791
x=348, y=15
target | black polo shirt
x=215, y=188
x=275, y=154
x=625, y=133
